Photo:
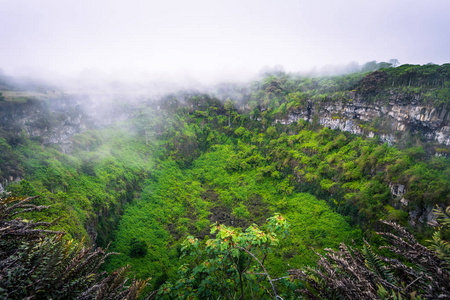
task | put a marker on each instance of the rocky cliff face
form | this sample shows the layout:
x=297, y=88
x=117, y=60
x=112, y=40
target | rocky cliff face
x=54, y=119
x=390, y=120
x=394, y=120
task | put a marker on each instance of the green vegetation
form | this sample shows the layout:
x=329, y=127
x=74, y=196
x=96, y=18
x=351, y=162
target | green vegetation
x=225, y=167
x=277, y=94
x=158, y=184
x=416, y=272
x=90, y=186
x=179, y=202
x=36, y=263
x=228, y=265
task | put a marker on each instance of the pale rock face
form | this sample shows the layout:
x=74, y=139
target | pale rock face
x=56, y=120
x=390, y=139
x=397, y=190
x=443, y=135
x=344, y=125
x=422, y=216
x=396, y=118
x=33, y=119
x=404, y=202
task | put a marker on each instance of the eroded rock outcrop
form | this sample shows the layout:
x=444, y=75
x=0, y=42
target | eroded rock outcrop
x=53, y=121
x=55, y=118
x=390, y=120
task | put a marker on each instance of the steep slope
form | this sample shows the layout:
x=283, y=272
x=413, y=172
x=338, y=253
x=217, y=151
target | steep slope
x=174, y=167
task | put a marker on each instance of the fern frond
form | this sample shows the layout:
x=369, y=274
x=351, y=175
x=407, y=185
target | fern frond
x=442, y=216
x=440, y=247
x=39, y=264
x=375, y=264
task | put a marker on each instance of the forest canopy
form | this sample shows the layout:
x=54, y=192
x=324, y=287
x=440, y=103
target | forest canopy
x=194, y=177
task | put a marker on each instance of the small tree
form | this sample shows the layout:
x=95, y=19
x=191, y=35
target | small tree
x=147, y=120
x=231, y=265
x=229, y=105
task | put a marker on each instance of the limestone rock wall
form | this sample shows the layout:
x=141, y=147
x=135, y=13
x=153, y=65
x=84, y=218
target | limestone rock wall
x=53, y=121
x=389, y=120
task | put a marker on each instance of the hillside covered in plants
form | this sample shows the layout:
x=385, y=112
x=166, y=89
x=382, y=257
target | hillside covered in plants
x=199, y=188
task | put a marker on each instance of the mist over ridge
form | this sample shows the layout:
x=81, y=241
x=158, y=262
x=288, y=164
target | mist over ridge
x=132, y=82
x=217, y=41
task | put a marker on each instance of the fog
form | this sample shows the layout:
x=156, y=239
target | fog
x=209, y=41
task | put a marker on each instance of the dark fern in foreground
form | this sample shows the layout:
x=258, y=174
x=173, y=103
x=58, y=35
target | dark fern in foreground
x=37, y=263
x=416, y=272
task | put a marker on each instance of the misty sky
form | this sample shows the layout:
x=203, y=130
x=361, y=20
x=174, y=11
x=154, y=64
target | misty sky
x=205, y=38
